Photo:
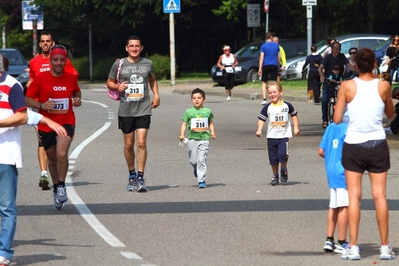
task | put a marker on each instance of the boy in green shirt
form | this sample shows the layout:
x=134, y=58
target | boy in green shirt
x=200, y=130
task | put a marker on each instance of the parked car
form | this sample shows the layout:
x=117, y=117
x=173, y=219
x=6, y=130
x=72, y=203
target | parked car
x=248, y=60
x=347, y=41
x=18, y=64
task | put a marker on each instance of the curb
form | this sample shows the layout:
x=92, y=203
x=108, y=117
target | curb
x=244, y=93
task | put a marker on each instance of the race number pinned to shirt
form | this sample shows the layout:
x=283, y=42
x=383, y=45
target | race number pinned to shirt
x=229, y=70
x=61, y=106
x=199, y=124
x=134, y=92
x=279, y=119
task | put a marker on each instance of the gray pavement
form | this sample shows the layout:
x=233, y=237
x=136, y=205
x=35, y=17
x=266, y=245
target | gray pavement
x=239, y=219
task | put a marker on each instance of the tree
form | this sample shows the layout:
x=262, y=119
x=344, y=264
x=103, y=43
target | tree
x=201, y=28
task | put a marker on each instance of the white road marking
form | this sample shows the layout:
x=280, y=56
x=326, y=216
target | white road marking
x=90, y=218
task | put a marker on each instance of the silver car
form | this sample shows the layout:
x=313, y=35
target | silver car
x=294, y=70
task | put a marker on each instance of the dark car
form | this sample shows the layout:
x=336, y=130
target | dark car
x=248, y=60
x=17, y=66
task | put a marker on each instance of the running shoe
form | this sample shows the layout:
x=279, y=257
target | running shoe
x=44, y=182
x=274, y=181
x=338, y=248
x=284, y=175
x=228, y=98
x=141, y=185
x=4, y=261
x=62, y=194
x=58, y=205
x=388, y=131
x=328, y=246
x=386, y=253
x=351, y=253
x=202, y=184
x=263, y=102
x=132, y=184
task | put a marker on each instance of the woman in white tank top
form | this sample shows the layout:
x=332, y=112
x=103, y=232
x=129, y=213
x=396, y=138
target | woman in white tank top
x=365, y=147
x=227, y=62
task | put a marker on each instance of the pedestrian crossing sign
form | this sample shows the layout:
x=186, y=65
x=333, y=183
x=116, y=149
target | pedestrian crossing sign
x=171, y=6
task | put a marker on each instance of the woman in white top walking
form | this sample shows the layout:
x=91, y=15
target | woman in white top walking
x=227, y=62
x=365, y=149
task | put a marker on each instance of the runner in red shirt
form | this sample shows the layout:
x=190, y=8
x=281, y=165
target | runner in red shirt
x=54, y=93
x=38, y=65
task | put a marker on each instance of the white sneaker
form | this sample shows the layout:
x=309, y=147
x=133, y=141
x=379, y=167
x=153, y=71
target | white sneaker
x=4, y=261
x=351, y=253
x=228, y=98
x=62, y=194
x=388, y=131
x=386, y=253
x=263, y=102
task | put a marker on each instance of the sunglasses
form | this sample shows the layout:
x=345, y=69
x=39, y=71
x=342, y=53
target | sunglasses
x=58, y=46
x=353, y=53
x=395, y=40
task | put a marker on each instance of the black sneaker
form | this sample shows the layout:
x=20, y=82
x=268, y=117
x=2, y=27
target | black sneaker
x=284, y=175
x=274, y=181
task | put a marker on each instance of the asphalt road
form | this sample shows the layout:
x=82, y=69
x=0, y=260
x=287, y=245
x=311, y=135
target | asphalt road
x=239, y=219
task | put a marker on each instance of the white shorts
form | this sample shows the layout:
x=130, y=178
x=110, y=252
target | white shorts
x=339, y=197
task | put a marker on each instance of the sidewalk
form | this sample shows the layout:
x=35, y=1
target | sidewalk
x=211, y=88
x=242, y=91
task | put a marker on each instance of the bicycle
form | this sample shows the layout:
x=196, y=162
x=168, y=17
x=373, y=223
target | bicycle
x=332, y=100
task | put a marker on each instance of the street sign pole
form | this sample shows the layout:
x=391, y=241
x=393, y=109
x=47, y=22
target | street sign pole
x=309, y=10
x=172, y=6
x=172, y=49
x=266, y=9
x=253, y=17
x=34, y=36
x=309, y=19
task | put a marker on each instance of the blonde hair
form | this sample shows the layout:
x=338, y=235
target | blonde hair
x=274, y=83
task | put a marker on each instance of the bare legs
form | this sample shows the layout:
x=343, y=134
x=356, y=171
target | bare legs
x=141, y=146
x=337, y=216
x=58, y=159
x=41, y=154
x=378, y=190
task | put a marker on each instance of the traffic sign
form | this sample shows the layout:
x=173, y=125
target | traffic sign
x=266, y=6
x=253, y=15
x=171, y=6
x=309, y=2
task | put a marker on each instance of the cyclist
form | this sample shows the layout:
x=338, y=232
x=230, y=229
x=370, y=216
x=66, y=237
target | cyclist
x=325, y=69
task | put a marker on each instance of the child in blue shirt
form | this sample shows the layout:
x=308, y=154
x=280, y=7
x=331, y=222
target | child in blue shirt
x=331, y=150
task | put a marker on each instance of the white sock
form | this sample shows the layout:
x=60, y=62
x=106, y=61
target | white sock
x=44, y=173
